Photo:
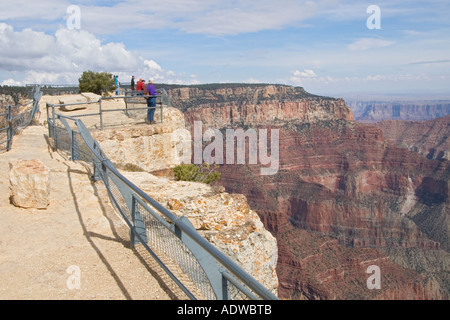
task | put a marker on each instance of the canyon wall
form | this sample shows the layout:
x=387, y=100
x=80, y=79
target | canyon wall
x=374, y=111
x=256, y=105
x=428, y=138
x=343, y=197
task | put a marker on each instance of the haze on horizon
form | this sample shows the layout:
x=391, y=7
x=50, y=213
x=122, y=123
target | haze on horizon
x=329, y=47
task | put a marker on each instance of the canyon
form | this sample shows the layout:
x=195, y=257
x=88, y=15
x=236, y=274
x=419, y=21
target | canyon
x=345, y=196
x=429, y=138
x=396, y=108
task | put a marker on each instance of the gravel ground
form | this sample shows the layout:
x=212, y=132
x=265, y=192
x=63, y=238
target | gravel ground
x=77, y=248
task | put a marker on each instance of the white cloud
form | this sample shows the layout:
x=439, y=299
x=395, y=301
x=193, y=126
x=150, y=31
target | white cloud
x=369, y=43
x=301, y=77
x=252, y=80
x=62, y=57
x=210, y=17
x=232, y=17
x=307, y=73
x=153, y=65
x=29, y=9
x=10, y=82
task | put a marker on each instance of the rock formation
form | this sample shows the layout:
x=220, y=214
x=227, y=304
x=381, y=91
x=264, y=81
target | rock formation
x=373, y=111
x=6, y=100
x=77, y=101
x=149, y=147
x=30, y=184
x=428, y=138
x=343, y=196
x=256, y=105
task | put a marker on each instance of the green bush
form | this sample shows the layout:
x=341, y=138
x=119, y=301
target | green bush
x=191, y=172
x=96, y=82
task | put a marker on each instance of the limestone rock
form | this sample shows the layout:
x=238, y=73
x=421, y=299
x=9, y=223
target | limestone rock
x=30, y=184
x=150, y=147
x=73, y=99
x=91, y=96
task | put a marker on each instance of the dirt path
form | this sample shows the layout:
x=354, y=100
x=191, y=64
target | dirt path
x=75, y=249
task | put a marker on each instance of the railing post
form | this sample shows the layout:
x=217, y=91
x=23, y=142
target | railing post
x=55, y=134
x=225, y=291
x=37, y=95
x=100, y=112
x=138, y=223
x=97, y=165
x=210, y=266
x=74, y=149
x=133, y=215
x=9, y=131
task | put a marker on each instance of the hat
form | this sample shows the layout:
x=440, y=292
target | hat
x=140, y=79
x=151, y=81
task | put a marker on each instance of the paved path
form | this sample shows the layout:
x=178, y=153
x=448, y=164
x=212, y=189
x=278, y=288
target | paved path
x=41, y=251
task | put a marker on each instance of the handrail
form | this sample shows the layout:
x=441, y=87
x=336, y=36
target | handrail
x=217, y=266
x=14, y=121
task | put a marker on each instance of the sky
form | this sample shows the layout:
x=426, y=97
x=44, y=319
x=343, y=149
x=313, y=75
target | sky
x=329, y=47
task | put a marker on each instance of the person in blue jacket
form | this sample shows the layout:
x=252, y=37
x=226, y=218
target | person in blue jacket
x=151, y=101
x=117, y=83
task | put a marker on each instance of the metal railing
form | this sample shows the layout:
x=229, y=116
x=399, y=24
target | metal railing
x=132, y=96
x=18, y=117
x=194, y=264
x=96, y=119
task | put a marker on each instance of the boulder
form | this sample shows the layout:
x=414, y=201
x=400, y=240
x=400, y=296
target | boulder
x=73, y=99
x=30, y=184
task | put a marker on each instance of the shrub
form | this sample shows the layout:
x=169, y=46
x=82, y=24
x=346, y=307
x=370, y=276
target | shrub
x=96, y=82
x=191, y=172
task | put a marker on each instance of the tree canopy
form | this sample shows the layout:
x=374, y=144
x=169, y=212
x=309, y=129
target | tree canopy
x=96, y=82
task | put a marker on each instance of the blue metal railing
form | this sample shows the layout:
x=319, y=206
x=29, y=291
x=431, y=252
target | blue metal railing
x=17, y=117
x=195, y=265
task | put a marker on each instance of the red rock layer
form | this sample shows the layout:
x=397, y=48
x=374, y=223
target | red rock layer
x=429, y=138
x=341, y=193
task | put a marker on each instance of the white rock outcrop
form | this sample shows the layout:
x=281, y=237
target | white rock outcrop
x=77, y=98
x=30, y=184
x=153, y=147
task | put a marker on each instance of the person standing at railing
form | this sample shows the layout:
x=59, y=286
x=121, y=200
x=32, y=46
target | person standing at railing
x=133, y=84
x=116, y=80
x=151, y=101
x=140, y=87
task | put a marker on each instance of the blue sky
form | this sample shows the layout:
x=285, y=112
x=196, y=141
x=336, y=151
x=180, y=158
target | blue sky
x=324, y=46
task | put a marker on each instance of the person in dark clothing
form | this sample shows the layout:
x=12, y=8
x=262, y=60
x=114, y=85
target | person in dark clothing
x=151, y=101
x=133, y=84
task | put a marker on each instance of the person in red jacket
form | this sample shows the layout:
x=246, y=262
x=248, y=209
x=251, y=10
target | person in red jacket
x=140, y=87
